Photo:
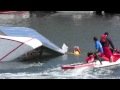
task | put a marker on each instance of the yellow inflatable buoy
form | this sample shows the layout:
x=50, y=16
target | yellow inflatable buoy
x=76, y=53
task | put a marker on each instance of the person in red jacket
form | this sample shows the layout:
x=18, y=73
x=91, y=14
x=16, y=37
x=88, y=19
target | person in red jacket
x=110, y=41
x=105, y=44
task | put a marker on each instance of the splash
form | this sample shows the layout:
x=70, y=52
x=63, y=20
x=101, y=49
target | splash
x=57, y=73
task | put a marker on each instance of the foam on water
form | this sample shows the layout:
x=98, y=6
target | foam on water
x=17, y=65
x=57, y=73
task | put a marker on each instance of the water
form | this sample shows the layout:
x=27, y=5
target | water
x=71, y=29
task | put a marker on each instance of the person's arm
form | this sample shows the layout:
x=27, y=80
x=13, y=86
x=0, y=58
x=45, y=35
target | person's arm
x=111, y=43
x=79, y=51
x=96, y=48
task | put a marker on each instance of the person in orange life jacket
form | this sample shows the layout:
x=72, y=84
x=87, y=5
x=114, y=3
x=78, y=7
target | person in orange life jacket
x=105, y=44
x=99, y=49
x=110, y=41
x=76, y=50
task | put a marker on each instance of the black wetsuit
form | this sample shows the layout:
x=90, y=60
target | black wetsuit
x=110, y=42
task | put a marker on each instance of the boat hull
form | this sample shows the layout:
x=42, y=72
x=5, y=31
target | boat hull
x=14, y=47
x=96, y=64
x=22, y=42
x=77, y=65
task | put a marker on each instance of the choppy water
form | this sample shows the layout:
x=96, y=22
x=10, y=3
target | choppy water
x=72, y=29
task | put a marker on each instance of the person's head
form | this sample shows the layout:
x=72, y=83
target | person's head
x=106, y=33
x=76, y=47
x=95, y=38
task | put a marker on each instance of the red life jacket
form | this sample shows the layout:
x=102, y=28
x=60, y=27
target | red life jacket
x=104, y=40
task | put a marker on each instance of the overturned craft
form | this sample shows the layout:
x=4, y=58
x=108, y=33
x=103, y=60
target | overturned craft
x=24, y=43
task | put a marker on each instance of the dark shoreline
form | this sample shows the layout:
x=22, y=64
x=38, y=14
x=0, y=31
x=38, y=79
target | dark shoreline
x=42, y=13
